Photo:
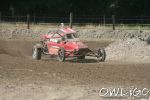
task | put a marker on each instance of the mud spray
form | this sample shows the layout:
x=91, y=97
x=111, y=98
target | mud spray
x=130, y=50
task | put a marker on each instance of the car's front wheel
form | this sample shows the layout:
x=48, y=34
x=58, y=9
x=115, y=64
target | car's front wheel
x=101, y=55
x=61, y=55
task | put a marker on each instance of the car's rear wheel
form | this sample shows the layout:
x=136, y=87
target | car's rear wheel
x=81, y=57
x=36, y=53
x=61, y=55
x=101, y=55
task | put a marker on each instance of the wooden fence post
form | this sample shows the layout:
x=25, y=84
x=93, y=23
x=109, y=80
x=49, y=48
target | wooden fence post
x=34, y=19
x=104, y=20
x=113, y=21
x=0, y=16
x=28, y=21
x=71, y=19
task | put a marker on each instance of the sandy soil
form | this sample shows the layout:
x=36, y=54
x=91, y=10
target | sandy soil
x=22, y=78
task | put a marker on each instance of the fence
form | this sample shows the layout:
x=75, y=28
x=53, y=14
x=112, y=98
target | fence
x=101, y=20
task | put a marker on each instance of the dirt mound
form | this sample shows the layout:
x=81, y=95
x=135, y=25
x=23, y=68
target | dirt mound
x=5, y=33
x=131, y=50
x=20, y=33
x=109, y=34
x=84, y=33
x=16, y=48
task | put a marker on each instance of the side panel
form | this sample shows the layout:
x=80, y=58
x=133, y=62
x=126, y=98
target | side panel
x=53, y=48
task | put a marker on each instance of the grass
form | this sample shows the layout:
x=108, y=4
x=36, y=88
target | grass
x=14, y=25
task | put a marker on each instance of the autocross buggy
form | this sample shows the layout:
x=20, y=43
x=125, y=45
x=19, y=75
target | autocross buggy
x=63, y=44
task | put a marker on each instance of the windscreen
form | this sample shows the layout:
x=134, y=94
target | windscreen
x=71, y=36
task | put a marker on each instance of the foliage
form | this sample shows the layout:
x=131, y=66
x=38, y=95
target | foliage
x=82, y=7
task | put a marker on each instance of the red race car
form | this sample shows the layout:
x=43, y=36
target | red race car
x=63, y=44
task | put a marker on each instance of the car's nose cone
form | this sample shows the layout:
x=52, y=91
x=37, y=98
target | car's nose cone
x=78, y=45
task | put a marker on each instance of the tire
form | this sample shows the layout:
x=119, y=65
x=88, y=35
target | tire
x=61, y=55
x=81, y=57
x=101, y=55
x=36, y=53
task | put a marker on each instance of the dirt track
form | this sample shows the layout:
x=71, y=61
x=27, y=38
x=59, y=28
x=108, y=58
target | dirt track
x=22, y=78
